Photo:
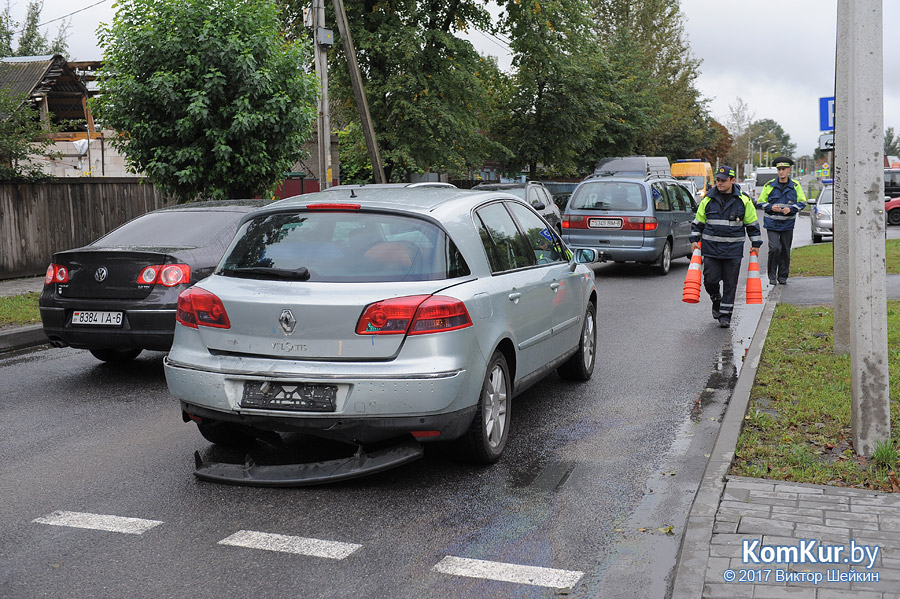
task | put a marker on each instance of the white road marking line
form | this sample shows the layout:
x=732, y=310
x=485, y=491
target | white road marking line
x=289, y=544
x=534, y=575
x=131, y=526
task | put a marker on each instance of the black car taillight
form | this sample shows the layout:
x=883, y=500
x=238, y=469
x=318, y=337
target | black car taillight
x=56, y=273
x=168, y=275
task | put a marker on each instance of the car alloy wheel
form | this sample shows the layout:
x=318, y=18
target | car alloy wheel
x=665, y=259
x=487, y=435
x=580, y=366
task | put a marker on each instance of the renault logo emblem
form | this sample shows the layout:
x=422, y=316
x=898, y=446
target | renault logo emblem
x=287, y=320
x=100, y=274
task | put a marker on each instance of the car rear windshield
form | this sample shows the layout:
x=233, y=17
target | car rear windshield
x=609, y=195
x=343, y=246
x=171, y=228
x=826, y=197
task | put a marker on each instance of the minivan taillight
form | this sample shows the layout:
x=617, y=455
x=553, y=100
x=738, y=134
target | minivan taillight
x=571, y=221
x=200, y=307
x=415, y=315
x=56, y=273
x=639, y=223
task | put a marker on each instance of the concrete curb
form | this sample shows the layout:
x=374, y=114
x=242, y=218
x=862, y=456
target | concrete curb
x=693, y=555
x=22, y=337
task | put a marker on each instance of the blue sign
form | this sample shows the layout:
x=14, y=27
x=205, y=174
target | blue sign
x=826, y=114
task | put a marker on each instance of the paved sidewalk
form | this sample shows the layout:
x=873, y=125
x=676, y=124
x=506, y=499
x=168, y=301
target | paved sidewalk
x=735, y=521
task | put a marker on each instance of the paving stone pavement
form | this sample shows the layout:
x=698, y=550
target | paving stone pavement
x=749, y=537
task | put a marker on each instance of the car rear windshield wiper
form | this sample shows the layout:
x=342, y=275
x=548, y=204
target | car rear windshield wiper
x=261, y=272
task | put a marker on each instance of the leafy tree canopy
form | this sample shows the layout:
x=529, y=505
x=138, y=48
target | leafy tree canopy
x=560, y=85
x=770, y=135
x=32, y=42
x=209, y=97
x=22, y=135
x=891, y=143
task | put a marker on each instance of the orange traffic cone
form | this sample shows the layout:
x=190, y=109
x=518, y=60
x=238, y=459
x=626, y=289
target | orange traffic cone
x=691, y=294
x=754, y=283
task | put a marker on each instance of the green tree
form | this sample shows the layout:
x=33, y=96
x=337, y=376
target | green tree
x=770, y=136
x=22, y=136
x=7, y=31
x=210, y=99
x=430, y=94
x=32, y=42
x=560, y=85
x=649, y=52
x=891, y=143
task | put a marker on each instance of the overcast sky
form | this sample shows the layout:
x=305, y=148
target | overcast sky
x=777, y=55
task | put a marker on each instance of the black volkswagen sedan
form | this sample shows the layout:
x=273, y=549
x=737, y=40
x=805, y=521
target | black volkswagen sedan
x=117, y=295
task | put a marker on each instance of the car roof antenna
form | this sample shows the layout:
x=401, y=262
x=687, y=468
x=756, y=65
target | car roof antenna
x=352, y=193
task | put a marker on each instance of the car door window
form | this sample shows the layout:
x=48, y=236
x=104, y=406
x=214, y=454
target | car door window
x=541, y=240
x=676, y=196
x=505, y=246
x=661, y=197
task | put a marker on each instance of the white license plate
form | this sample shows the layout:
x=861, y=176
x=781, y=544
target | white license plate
x=605, y=223
x=109, y=319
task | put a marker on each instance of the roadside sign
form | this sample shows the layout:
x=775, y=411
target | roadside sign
x=826, y=114
x=826, y=141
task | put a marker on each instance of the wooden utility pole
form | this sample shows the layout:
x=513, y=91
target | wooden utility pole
x=358, y=91
x=321, y=39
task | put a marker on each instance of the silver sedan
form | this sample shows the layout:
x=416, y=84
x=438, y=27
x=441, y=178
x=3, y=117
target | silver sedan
x=368, y=315
x=820, y=217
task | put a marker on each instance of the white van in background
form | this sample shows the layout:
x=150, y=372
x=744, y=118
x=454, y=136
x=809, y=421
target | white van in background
x=764, y=174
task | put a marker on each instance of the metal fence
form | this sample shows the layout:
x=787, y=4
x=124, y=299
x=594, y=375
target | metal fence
x=37, y=219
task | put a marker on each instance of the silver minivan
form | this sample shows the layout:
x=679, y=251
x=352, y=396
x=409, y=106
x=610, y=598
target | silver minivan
x=631, y=219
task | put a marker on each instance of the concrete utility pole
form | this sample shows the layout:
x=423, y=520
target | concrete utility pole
x=322, y=41
x=859, y=208
x=359, y=92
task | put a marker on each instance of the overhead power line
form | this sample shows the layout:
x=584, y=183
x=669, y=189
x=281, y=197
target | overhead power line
x=72, y=13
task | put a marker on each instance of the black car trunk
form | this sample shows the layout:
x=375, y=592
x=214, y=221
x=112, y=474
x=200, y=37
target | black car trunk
x=107, y=274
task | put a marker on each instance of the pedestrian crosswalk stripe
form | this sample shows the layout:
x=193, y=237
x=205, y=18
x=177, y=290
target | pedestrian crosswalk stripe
x=289, y=544
x=534, y=575
x=132, y=526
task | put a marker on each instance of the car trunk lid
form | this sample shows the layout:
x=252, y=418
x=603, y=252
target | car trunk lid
x=107, y=274
x=304, y=320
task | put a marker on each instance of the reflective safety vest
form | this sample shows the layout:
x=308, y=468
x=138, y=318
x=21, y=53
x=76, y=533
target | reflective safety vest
x=720, y=223
x=788, y=194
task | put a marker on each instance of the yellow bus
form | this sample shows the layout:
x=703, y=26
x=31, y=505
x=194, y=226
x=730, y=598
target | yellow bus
x=696, y=170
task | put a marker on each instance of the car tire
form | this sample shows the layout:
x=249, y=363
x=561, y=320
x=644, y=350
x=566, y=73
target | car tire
x=225, y=434
x=664, y=262
x=115, y=355
x=580, y=366
x=489, y=430
x=894, y=217
x=816, y=238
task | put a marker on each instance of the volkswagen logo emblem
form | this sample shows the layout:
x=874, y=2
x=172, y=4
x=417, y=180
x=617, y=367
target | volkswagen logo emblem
x=100, y=274
x=287, y=320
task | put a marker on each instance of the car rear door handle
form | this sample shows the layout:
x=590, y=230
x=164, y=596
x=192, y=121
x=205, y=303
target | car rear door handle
x=554, y=286
x=514, y=296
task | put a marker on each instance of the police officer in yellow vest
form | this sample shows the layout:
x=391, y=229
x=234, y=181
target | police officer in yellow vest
x=722, y=217
x=781, y=199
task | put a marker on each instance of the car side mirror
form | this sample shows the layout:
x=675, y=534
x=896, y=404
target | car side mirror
x=588, y=256
x=811, y=201
x=538, y=205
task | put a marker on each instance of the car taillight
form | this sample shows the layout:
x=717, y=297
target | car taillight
x=165, y=274
x=570, y=221
x=200, y=307
x=332, y=207
x=639, y=223
x=415, y=314
x=56, y=273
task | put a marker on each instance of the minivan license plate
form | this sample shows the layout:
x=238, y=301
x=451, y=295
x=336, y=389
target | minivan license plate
x=605, y=223
x=109, y=319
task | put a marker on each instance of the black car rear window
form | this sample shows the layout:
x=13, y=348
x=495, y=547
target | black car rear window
x=175, y=228
x=343, y=246
x=609, y=195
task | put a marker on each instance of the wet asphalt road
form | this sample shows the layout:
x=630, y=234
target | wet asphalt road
x=597, y=479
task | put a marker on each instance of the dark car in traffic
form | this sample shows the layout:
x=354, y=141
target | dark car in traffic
x=533, y=192
x=117, y=296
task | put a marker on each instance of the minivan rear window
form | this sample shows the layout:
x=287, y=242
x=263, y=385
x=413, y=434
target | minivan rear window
x=343, y=246
x=609, y=195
